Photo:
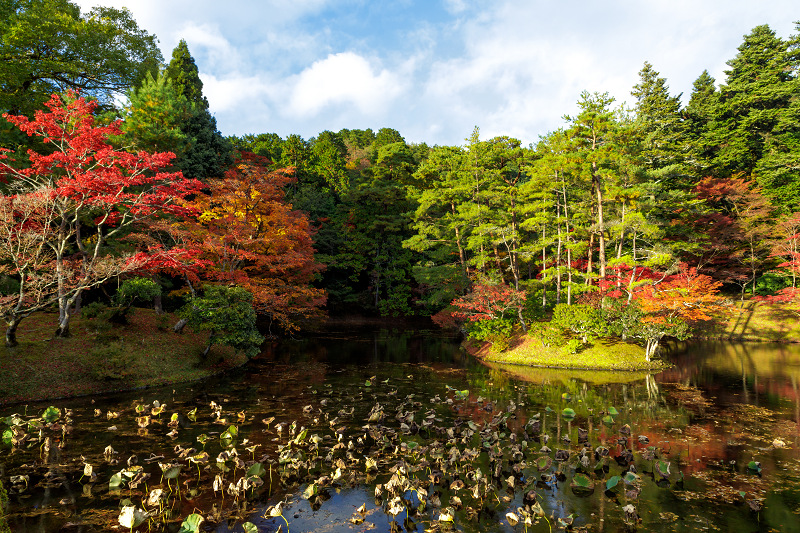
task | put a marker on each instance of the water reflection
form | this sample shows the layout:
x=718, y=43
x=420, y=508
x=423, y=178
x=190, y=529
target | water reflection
x=721, y=407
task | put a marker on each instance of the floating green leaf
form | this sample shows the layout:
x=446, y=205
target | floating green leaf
x=51, y=414
x=582, y=484
x=249, y=527
x=612, y=482
x=662, y=467
x=608, y=420
x=754, y=466
x=568, y=413
x=630, y=478
x=191, y=524
x=256, y=470
x=115, y=481
x=543, y=463
x=613, y=411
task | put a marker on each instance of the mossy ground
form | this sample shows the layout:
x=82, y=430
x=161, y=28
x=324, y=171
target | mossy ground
x=99, y=357
x=602, y=354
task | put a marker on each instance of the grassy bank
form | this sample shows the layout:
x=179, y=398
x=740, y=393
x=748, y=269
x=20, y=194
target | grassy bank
x=99, y=357
x=603, y=354
x=752, y=321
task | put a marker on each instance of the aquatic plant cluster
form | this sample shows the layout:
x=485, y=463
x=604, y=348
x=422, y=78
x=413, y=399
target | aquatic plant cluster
x=449, y=460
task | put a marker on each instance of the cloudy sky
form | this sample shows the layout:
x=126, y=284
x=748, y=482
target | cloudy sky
x=434, y=69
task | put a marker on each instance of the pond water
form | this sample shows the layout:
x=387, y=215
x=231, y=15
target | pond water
x=322, y=425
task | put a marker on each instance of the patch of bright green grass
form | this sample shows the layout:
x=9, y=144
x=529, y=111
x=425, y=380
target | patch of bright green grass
x=602, y=354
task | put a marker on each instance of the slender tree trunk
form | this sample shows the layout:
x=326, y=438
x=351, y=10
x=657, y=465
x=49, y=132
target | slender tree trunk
x=558, y=258
x=601, y=239
x=569, y=249
x=158, y=305
x=11, y=331
x=589, y=253
x=544, y=266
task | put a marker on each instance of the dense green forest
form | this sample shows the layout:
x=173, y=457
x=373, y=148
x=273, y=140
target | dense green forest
x=644, y=217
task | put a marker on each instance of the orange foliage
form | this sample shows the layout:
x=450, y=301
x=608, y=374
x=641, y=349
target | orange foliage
x=254, y=238
x=687, y=295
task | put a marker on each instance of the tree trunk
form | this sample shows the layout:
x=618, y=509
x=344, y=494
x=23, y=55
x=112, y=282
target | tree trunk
x=76, y=310
x=11, y=332
x=544, y=266
x=601, y=238
x=178, y=327
x=63, y=325
x=157, y=305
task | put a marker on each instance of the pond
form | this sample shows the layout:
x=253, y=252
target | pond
x=390, y=429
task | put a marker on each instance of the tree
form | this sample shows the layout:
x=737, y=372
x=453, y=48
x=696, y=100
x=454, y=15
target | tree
x=154, y=114
x=226, y=312
x=748, y=232
x=658, y=118
x=669, y=307
x=592, y=132
x=698, y=115
x=26, y=221
x=47, y=46
x=252, y=237
x=98, y=197
x=754, y=128
x=208, y=154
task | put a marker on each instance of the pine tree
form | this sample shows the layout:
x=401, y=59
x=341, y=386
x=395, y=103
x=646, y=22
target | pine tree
x=697, y=116
x=658, y=118
x=183, y=72
x=208, y=153
x=154, y=115
x=757, y=91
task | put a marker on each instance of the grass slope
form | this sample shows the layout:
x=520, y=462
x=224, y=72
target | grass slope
x=99, y=357
x=603, y=354
x=758, y=322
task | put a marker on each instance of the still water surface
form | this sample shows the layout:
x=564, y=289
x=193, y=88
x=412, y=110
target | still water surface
x=711, y=444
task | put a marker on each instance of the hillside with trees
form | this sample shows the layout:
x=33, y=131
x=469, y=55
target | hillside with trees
x=635, y=222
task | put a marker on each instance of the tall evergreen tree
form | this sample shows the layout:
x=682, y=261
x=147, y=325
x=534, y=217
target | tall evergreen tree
x=208, y=153
x=658, y=117
x=154, y=115
x=757, y=92
x=697, y=116
x=183, y=72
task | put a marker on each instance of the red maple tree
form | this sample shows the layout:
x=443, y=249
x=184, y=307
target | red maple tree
x=96, y=197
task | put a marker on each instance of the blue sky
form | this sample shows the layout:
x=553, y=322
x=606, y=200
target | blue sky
x=434, y=69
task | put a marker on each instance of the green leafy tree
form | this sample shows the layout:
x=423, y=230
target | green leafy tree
x=208, y=153
x=47, y=46
x=154, y=115
x=227, y=314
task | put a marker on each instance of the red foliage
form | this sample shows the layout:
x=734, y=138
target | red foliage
x=686, y=295
x=95, y=195
x=251, y=236
x=488, y=302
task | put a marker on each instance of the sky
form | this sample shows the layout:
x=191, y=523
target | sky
x=435, y=69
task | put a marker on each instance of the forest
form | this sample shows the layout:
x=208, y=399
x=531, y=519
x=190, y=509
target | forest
x=632, y=221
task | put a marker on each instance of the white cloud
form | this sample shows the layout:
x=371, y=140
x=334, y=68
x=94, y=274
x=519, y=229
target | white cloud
x=343, y=79
x=509, y=67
